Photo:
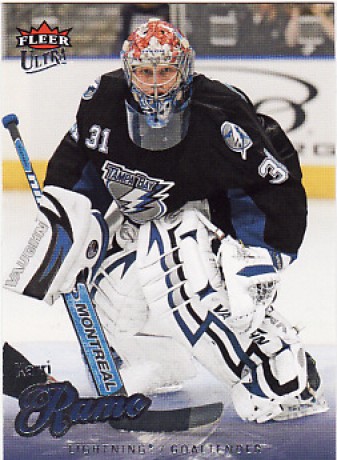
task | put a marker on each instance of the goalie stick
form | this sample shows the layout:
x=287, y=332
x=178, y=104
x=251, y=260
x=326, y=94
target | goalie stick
x=80, y=297
x=150, y=421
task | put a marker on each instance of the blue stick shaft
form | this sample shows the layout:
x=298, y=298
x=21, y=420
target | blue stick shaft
x=79, y=305
x=10, y=122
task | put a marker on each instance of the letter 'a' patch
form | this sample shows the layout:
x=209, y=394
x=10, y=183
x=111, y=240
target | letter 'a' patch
x=236, y=138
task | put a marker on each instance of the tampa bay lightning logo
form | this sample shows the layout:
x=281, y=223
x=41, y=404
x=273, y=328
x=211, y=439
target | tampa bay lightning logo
x=139, y=196
x=236, y=138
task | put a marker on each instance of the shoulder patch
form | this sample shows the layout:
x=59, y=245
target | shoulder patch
x=88, y=94
x=236, y=138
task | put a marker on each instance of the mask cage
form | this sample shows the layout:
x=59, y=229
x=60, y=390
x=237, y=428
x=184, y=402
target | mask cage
x=159, y=107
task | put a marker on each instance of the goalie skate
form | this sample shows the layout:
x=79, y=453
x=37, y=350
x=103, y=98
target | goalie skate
x=311, y=401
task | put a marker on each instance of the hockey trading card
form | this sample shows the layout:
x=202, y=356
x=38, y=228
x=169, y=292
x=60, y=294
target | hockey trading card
x=168, y=230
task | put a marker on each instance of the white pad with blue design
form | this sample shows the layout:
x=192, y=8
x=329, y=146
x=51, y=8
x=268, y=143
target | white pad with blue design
x=67, y=238
x=251, y=280
x=187, y=300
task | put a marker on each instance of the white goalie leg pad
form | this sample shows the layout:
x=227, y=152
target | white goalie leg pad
x=279, y=374
x=265, y=367
x=251, y=280
x=149, y=361
x=184, y=290
x=68, y=237
x=253, y=408
x=175, y=254
x=118, y=295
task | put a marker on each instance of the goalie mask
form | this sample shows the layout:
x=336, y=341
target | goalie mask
x=158, y=65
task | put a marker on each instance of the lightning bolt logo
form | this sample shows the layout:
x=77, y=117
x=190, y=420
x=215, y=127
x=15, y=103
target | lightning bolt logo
x=133, y=202
x=139, y=196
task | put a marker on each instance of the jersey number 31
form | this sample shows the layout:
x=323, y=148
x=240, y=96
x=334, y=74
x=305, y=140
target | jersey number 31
x=98, y=139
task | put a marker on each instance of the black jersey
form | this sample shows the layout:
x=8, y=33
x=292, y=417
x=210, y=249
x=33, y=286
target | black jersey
x=241, y=162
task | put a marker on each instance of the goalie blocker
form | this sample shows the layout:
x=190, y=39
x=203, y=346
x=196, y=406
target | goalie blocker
x=69, y=237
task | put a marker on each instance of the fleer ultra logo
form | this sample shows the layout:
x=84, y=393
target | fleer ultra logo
x=51, y=42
